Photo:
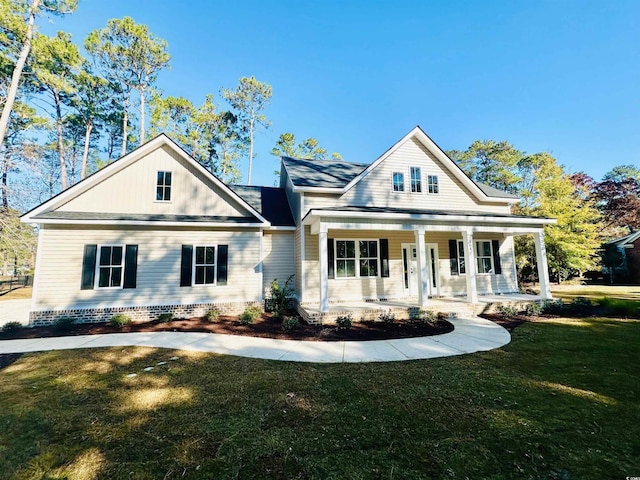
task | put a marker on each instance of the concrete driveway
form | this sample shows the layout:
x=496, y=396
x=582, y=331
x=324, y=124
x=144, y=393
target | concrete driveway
x=15, y=311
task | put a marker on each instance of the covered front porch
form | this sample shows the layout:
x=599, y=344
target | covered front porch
x=419, y=258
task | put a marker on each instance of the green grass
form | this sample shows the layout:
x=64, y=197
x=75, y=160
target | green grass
x=561, y=401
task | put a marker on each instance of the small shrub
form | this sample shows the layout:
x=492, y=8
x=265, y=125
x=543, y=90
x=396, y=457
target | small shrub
x=443, y=316
x=581, y=306
x=553, y=307
x=387, y=317
x=120, y=320
x=279, y=297
x=165, y=317
x=506, y=310
x=64, y=324
x=250, y=315
x=344, y=322
x=533, y=309
x=290, y=323
x=11, y=326
x=427, y=317
x=212, y=314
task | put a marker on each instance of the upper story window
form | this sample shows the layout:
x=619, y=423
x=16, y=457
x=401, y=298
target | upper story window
x=163, y=187
x=110, y=266
x=432, y=183
x=416, y=180
x=398, y=182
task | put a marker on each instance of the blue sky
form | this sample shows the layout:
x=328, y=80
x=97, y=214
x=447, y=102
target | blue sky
x=560, y=76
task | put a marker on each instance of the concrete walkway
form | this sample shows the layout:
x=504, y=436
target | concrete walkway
x=470, y=335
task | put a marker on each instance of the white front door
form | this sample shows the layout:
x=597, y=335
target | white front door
x=410, y=269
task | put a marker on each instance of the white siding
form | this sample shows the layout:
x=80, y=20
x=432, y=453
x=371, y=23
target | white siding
x=278, y=254
x=133, y=190
x=158, y=273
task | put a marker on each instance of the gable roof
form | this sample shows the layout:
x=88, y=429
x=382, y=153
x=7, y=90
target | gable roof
x=271, y=202
x=626, y=240
x=338, y=176
x=42, y=213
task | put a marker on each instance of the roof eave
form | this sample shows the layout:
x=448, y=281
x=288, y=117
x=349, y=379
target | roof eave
x=157, y=223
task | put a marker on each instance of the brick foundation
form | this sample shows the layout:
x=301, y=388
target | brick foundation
x=137, y=314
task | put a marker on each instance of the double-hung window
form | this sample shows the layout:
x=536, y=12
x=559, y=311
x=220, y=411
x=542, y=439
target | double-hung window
x=163, y=186
x=110, y=266
x=357, y=258
x=432, y=184
x=484, y=256
x=204, y=265
x=461, y=263
x=416, y=180
x=398, y=181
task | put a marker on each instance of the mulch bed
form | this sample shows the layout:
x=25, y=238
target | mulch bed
x=265, y=327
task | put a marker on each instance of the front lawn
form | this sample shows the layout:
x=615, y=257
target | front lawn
x=561, y=401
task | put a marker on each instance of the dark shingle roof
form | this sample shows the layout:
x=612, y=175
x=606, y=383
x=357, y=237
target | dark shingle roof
x=321, y=173
x=58, y=215
x=337, y=174
x=271, y=202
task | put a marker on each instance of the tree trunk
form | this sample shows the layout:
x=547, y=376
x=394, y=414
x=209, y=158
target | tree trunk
x=85, y=153
x=63, y=166
x=125, y=119
x=250, y=149
x=142, y=132
x=17, y=71
x=5, y=192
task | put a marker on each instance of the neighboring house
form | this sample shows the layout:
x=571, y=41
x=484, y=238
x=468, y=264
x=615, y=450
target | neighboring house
x=621, y=258
x=155, y=232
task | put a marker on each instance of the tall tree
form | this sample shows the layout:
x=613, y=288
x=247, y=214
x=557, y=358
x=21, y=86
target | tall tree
x=309, y=148
x=131, y=57
x=175, y=117
x=57, y=61
x=249, y=99
x=17, y=27
x=618, y=197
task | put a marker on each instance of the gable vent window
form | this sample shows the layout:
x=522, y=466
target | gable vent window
x=416, y=180
x=163, y=187
x=398, y=182
x=432, y=181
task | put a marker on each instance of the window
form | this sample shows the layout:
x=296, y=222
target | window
x=163, y=187
x=461, y=264
x=368, y=258
x=345, y=258
x=416, y=180
x=110, y=266
x=357, y=258
x=484, y=256
x=432, y=183
x=398, y=182
x=204, y=265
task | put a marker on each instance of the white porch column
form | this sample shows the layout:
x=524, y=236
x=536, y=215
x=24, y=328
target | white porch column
x=423, y=276
x=470, y=266
x=324, y=269
x=541, y=260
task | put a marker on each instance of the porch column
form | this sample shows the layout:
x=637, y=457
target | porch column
x=421, y=253
x=470, y=266
x=324, y=269
x=541, y=260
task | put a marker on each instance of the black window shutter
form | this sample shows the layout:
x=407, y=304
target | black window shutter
x=130, y=266
x=453, y=256
x=223, y=257
x=330, y=257
x=384, y=256
x=495, y=246
x=88, y=267
x=185, y=265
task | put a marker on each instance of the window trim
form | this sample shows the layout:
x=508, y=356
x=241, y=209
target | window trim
x=490, y=256
x=357, y=258
x=433, y=188
x=415, y=182
x=164, y=186
x=96, y=282
x=215, y=266
x=393, y=183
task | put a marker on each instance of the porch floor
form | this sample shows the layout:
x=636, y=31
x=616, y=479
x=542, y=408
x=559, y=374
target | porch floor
x=454, y=306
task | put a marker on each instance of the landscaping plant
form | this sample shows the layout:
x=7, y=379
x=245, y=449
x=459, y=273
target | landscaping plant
x=120, y=320
x=250, y=315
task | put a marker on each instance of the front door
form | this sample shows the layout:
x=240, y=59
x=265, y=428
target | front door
x=410, y=269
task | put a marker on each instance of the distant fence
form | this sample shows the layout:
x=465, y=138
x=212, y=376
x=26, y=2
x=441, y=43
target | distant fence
x=9, y=283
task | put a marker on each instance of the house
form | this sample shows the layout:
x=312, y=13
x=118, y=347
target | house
x=621, y=259
x=155, y=232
